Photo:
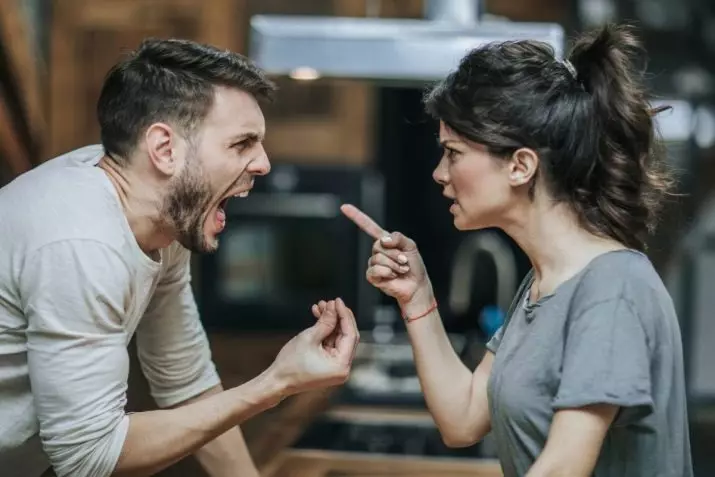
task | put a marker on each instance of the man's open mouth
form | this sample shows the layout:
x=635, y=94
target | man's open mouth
x=221, y=208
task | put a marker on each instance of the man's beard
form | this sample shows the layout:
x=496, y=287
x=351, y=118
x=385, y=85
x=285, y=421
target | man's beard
x=184, y=207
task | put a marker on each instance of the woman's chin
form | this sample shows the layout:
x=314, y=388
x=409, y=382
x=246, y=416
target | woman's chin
x=459, y=223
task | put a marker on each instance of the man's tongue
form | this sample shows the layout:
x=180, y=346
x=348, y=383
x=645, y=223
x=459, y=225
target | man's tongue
x=220, y=217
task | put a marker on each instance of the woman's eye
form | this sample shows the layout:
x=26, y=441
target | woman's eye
x=451, y=153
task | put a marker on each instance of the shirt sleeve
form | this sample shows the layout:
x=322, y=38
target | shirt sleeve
x=73, y=295
x=495, y=340
x=172, y=345
x=606, y=360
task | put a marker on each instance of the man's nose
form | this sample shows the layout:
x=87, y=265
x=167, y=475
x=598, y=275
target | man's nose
x=260, y=166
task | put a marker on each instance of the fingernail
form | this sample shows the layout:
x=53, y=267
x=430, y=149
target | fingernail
x=404, y=268
x=387, y=238
x=401, y=258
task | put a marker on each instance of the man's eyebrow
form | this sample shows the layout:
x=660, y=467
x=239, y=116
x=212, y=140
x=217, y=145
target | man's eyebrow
x=252, y=136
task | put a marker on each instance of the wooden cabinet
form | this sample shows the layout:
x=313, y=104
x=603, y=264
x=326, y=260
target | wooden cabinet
x=22, y=119
x=318, y=121
x=315, y=121
x=325, y=120
x=559, y=11
x=89, y=36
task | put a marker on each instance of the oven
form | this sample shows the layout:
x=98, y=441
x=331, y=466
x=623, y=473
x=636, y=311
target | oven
x=287, y=245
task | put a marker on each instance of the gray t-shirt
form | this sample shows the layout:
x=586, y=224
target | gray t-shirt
x=608, y=335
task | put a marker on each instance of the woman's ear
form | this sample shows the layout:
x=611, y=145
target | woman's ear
x=522, y=166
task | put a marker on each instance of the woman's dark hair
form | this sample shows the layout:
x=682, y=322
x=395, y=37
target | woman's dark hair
x=591, y=124
x=169, y=80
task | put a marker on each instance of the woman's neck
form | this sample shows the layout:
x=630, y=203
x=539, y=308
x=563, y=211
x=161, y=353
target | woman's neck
x=556, y=244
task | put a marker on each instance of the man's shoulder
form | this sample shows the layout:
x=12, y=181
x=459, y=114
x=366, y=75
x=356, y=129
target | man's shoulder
x=71, y=176
x=66, y=198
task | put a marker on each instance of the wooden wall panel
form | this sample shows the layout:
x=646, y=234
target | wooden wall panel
x=22, y=118
x=320, y=121
x=531, y=10
x=15, y=157
x=88, y=36
x=317, y=121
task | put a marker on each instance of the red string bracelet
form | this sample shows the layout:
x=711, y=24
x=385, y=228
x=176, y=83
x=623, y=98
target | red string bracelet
x=409, y=319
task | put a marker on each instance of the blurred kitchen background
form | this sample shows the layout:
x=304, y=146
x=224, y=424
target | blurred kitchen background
x=348, y=127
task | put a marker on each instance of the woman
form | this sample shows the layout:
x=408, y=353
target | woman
x=586, y=376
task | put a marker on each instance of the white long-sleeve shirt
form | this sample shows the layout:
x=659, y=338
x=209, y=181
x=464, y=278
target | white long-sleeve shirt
x=74, y=288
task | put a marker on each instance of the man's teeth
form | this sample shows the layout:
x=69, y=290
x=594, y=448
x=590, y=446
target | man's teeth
x=241, y=194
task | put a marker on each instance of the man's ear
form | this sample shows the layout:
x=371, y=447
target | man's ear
x=522, y=166
x=161, y=143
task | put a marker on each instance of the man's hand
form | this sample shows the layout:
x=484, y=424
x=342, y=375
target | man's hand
x=320, y=356
x=157, y=439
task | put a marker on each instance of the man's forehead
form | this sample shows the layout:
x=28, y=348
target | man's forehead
x=237, y=113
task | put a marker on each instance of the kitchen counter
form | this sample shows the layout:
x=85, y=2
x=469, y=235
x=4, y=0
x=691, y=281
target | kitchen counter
x=274, y=437
x=238, y=359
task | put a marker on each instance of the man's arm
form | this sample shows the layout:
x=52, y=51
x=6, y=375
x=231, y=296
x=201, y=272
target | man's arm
x=176, y=359
x=74, y=298
x=158, y=439
x=227, y=455
x=73, y=295
x=574, y=442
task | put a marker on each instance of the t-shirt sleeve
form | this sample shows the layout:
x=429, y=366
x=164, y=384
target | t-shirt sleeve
x=73, y=295
x=495, y=340
x=606, y=360
x=171, y=342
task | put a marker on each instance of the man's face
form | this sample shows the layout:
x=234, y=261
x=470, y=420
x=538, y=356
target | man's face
x=222, y=159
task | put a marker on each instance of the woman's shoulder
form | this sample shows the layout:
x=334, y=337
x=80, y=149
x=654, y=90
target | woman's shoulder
x=626, y=275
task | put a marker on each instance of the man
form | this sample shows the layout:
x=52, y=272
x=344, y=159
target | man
x=94, y=245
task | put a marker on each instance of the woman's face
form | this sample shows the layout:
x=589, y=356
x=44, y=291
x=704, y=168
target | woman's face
x=480, y=184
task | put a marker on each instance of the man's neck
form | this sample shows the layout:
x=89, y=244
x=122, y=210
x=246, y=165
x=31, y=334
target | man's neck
x=141, y=204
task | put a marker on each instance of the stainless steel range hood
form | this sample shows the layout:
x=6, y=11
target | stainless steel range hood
x=385, y=49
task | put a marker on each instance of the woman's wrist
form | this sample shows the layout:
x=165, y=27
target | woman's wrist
x=421, y=303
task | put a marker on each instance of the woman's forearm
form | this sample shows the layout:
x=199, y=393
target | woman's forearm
x=455, y=396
